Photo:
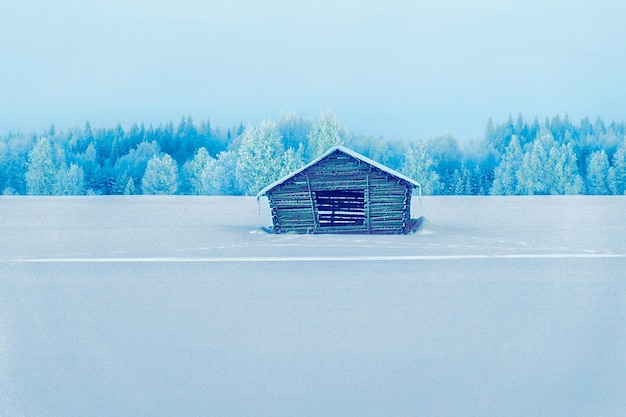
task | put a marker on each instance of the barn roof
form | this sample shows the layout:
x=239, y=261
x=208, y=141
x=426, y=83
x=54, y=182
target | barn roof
x=346, y=151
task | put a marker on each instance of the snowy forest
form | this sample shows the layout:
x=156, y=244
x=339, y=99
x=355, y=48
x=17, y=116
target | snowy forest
x=516, y=157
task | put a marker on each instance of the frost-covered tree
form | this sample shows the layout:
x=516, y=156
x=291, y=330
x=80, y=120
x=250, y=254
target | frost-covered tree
x=70, y=181
x=617, y=172
x=563, y=163
x=447, y=158
x=292, y=160
x=597, y=173
x=208, y=176
x=462, y=184
x=225, y=175
x=195, y=169
x=260, y=156
x=88, y=162
x=294, y=130
x=13, y=164
x=326, y=133
x=42, y=169
x=161, y=176
x=505, y=180
x=535, y=176
x=129, y=189
x=48, y=173
x=419, y=166
x=134, y=163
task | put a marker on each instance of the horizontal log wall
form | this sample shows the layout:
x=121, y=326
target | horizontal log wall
x=387, y=199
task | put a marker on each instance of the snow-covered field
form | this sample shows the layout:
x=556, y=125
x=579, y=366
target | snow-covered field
x=182, y=306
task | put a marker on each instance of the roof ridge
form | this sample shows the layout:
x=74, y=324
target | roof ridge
x=346, y=151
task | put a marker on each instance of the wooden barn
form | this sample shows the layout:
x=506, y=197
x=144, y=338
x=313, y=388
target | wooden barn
x=342, y=192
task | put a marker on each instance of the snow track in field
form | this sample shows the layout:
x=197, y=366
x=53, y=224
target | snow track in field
x=319, y=258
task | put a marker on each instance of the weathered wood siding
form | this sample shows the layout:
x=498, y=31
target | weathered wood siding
x=384, y=207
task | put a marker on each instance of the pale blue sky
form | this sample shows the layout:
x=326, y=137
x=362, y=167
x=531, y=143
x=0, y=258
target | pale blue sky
x=400, y=69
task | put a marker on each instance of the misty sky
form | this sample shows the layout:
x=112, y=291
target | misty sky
x=400, y=69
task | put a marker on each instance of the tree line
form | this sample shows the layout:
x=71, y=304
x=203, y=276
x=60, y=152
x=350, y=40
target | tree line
x=516, y=157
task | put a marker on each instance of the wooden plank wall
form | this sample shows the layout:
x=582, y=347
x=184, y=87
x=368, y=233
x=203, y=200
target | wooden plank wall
x=387, y=198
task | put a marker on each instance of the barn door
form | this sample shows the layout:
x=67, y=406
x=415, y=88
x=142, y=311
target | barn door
x=340, y=208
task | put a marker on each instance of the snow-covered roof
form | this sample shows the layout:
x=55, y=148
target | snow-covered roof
x=346, y=151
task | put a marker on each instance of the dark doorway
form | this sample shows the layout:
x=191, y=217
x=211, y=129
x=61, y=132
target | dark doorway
x=340, y=208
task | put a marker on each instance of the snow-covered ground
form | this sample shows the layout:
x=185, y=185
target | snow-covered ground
x=163, y=306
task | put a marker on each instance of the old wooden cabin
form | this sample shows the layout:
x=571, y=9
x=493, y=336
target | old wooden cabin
x=342, y=192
